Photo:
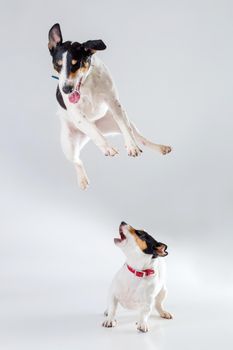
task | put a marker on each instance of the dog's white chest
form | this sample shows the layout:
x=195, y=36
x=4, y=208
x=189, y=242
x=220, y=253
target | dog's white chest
x=132, y=292
x=93, y=107
x=133, y=295
x=89, y=105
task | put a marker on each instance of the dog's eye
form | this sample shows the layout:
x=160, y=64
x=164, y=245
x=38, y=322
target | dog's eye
x=74, y=62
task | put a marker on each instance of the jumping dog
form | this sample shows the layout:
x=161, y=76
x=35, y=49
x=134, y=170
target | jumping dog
x=89, y=106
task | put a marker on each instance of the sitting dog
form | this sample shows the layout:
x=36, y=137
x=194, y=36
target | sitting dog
x=89, y=103
x=140, y=283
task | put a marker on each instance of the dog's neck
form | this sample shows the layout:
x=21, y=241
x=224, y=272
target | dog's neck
x=142, y=263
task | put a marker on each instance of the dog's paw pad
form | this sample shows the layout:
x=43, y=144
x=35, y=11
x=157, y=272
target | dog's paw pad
x=142, y=327
x=109, y=323
x=165, y=149
x=166, y=315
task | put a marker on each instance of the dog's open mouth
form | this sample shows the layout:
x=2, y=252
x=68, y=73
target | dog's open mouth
x=74, y=96
x=122, y=237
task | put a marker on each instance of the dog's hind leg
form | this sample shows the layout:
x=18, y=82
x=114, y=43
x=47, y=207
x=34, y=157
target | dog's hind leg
x=159, y=304
x=155, y=147
x=83, y=180
x=72, y=141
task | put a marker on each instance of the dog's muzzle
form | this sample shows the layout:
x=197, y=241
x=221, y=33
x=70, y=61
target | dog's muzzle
x=73, y=92
x=67, y=89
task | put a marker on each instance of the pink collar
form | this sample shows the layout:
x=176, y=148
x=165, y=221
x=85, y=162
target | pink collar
x=142, y=273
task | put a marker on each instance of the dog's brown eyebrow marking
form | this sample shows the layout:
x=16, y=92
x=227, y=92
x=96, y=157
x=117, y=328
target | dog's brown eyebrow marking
x=82, y=69
x=72, y=75
x=142, y=244
x=74, y=62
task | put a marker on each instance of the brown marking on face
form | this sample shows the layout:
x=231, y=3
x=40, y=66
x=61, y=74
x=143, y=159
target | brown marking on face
x=85, y=67
x=82, y=69
x=142, y=244
x=74, y=62
x=58, y=65
x=72, y=75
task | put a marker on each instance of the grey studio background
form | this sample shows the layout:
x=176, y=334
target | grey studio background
x=172, y=64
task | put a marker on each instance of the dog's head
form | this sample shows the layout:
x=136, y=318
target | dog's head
x=71, y=60
x=139, y=242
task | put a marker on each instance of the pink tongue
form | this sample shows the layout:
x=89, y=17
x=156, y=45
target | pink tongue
x=74, y=97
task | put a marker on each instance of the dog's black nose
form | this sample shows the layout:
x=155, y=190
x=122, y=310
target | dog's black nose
x=67, y=89
x=123, y=223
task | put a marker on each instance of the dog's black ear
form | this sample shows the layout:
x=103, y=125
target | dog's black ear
x=94, y=45
x=160, y=249
x=55, y=37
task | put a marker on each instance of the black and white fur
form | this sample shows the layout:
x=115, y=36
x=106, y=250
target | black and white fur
x=99, y=112
x=138, y=293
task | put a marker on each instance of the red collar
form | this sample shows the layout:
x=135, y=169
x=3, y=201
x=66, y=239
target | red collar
x=142, y=273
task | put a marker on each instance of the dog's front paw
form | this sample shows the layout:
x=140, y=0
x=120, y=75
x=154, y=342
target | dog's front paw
x=109, y=151
x=133, y=150
x=83, y=182
x=165, y=149
x=142, y=327
x=109, y=323
x=167, y=315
